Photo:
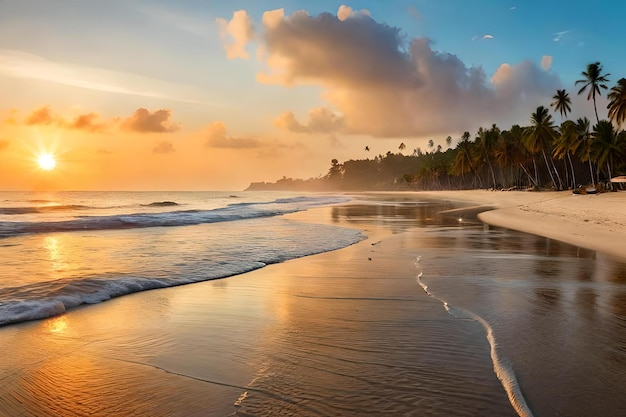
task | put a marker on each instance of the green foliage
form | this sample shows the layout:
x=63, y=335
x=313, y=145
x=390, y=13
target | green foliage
x=617, y=102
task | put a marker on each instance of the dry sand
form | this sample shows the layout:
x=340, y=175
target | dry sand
x=596, y=221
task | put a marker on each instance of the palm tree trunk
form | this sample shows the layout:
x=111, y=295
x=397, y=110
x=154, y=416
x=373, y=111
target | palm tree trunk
x=556, y=171
x=590, y=167
x=536, y=172
x=530, y=177
x=571, y=165
x=545, y=158
x=493, y=175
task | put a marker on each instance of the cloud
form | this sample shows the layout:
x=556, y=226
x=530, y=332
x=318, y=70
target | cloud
x=41, y=116
x=20, y=64
x=217, y=137
x=321, y=120
x=546, y=62
x=523, y=83
x=44, y=116
x=141, y=121
x=236, y=34
x=144, y=121
x=87, y=122
x=163, y=147
x=484, y=37
x=346, y=12
x=3, y=144
x=303, y=48
x=381, y=85
x=560, y=36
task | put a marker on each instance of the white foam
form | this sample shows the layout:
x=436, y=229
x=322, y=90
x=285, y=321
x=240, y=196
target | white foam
x=502, y=368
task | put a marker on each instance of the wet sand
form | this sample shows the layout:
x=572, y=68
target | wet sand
x=347, y=333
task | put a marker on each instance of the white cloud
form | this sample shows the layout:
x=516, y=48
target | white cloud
x=560, y=36
x=346, y=12
x=236, y=33
x=487, y=36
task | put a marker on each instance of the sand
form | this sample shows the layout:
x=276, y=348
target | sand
x=203, y=349
x=595, y=221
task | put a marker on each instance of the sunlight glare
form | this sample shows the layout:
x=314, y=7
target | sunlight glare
x=46, y=161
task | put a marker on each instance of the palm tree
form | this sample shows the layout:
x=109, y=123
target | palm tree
x=584, y=135
x=617, y=102
x=487, y=140
x=538, y=137
x=562, y=103
x=367, y=148
x=595, y=80
x=608, y=147
x=463, y=160
x=566, y=144
x=402, y=147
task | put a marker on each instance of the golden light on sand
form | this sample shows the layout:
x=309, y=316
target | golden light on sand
x=46, y=161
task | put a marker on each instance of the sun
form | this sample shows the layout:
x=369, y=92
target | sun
x=46, y=161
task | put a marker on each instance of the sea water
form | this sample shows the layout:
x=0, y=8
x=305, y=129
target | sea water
x=61, y=250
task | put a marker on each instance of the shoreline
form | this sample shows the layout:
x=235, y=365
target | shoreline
x=351, y=320
x=594, y=221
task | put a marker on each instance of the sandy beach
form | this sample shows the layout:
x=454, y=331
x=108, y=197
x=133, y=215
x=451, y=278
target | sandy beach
x=595, y=221
x=348, y=332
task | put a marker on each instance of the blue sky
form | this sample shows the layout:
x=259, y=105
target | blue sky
x=292, y=95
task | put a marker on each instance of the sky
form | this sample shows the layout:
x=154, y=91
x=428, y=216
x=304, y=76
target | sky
x=213, y=95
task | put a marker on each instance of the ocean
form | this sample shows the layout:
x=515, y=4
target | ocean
x=61, y=250
x=424, y=312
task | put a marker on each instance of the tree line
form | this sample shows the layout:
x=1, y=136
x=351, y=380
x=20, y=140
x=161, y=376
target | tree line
x=541, y=155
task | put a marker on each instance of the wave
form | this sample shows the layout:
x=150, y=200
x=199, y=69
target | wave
x=232, y=212
x=42, y=300
x=42, y=209
x=503, y=370
x=162, y=204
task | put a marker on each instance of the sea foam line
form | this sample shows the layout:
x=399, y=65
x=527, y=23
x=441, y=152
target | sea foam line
x=503, y=370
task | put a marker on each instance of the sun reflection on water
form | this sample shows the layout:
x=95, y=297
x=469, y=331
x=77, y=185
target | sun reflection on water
x=58, y=324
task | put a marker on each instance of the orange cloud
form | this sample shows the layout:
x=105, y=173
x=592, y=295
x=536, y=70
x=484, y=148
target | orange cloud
x=321, y=120
x=383, y=86
x=144, y=121
x=44, y=116
x=164, y=147
x=3, y=144
x=217, y=137
x=87, y=122
x=41, y=116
